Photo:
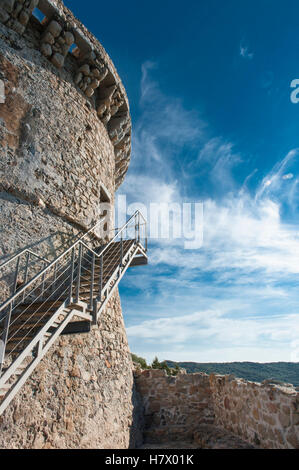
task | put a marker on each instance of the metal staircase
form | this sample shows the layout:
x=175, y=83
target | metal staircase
x=66, y=296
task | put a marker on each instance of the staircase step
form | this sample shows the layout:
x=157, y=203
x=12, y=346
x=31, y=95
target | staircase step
x=4, y=389
x=20, y=369
x=30, y=319
x=20, y=338
x=45, y=306
x=16, y=346
x=77, y=327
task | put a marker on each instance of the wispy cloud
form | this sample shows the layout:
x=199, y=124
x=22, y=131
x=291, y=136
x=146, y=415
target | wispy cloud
x=280, y=183
x=220, y=158
x=245, y=51
x=163, y=129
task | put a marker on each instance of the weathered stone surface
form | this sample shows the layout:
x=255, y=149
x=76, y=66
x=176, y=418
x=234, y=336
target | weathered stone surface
x=261, y=417
x=42, y=113
x=172, y=410
x=55, y=158
x=4, y=16
x=54, y=28
x=58, y=60
x=60, y=33
x=46, y=49
x=257, y=415
x=9, y=5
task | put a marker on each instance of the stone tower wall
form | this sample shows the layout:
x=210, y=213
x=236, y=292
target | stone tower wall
x=65, y=127
x=65, y=143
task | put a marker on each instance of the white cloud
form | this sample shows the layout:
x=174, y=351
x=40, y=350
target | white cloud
x=274, y=180
x=220, y=158
x=211, y=335
x=289, y=176
x=244, y=51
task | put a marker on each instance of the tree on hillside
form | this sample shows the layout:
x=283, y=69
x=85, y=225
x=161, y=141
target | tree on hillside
x=141, y=361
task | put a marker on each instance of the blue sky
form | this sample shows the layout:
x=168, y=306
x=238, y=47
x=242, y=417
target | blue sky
x=209, y=88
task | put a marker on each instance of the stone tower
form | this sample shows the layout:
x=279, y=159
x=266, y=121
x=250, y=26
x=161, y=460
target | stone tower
x=65, y=133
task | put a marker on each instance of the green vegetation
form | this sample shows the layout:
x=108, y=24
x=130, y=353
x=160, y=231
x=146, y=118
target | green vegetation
x=140, y=361
x=156, y=364
x=253, y=371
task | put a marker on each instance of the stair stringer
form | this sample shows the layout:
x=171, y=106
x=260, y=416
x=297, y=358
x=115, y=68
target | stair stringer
x=119, y=274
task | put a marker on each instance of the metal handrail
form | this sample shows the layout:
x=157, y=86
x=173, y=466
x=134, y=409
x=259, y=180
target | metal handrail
x=51, y=265
x=45, y=270
x=75, y=283
x=26, y=251
x=30, y=252
x=120, y=231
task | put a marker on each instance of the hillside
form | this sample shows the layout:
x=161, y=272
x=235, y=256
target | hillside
x=253, y=371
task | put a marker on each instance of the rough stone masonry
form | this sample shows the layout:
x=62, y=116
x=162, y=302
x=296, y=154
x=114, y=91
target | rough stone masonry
x=65, y=144
x=201, y=409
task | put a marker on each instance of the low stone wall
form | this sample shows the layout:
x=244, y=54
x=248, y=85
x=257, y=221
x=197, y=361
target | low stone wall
x=265, y=415
x=174, y=406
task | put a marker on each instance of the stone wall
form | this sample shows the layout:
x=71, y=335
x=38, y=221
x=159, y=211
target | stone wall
x=265, y=415
x=66, y=50
x=65, y=143
x=174, y=406
x=55, y=152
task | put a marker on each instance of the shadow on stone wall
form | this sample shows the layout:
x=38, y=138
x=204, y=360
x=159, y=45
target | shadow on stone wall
x=48, y=247
x=15, y=237
x=137, y=428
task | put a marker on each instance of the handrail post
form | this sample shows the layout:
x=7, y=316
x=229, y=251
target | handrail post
x=8, y=318
x=79, y=274
x=95, y=312
x=92, y=281
x=3, y=340
x=70, y=299
x=138, y=227
x=26, y=272
x=43, y=281
x=121, y=250
x=14, y=289
x=146, y=237
x=55, y=277
x=101, y=279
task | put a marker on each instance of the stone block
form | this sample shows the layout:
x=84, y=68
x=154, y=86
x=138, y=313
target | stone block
x=58, y=60
x=155, y=373
x=8, y=5
x=54, y=28
x=4, y=16
x=284, y=419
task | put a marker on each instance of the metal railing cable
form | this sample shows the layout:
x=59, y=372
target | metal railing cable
x=31, y=264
